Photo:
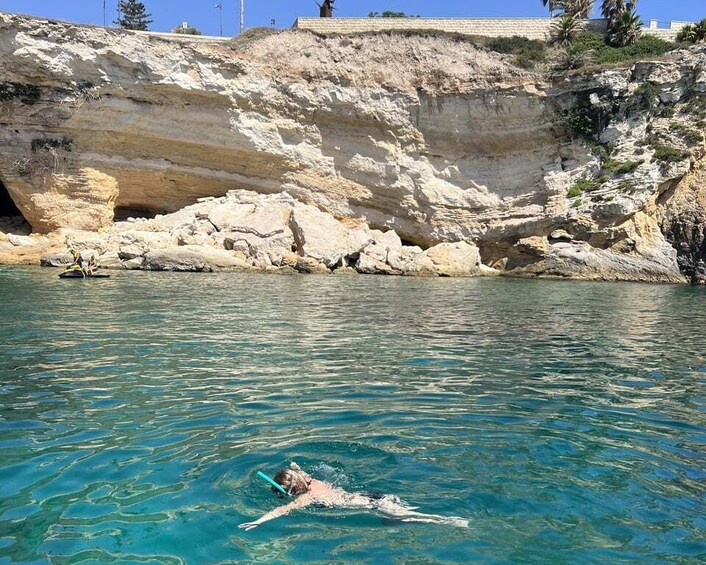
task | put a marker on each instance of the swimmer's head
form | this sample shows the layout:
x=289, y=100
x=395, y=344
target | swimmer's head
x=293, y=480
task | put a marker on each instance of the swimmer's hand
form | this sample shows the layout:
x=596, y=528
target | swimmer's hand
x=301, y=502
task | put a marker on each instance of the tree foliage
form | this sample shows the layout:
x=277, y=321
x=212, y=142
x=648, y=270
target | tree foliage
x=578, y=8
x=624, y=25
x=594, y=46
x=625, y=29
x=529, y=53
x=553, y=5
x=565, y=28
x=132, y=15
x=693, y=33
x=612, y=9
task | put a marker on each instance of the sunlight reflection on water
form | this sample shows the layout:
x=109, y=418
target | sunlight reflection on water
x=566, y=420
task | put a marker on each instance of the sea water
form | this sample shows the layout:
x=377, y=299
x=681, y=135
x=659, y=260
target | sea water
x=565, y=420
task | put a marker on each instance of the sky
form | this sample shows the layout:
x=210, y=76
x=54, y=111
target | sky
x=203, y=15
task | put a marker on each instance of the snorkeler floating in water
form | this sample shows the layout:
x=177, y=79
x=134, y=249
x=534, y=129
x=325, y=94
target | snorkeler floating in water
x=311, y=491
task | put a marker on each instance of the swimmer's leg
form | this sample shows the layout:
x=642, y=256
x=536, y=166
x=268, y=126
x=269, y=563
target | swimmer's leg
x=396, y=509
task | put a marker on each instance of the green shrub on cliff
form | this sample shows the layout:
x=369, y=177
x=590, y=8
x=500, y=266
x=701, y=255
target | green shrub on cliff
x=602, y=53
x=621, y=167
x=696, y=106
x=645, y=98
x=588, y=120
x=664, y=152
x=585, y=185
x=582, y=120
x=690, y=135
x=669, y=154
x=528, y=52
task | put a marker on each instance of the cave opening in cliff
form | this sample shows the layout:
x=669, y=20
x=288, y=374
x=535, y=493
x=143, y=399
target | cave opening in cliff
x=11, y=218
x=123, y=213
x=8, y=208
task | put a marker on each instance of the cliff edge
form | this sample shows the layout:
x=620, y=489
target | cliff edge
x=380, y=153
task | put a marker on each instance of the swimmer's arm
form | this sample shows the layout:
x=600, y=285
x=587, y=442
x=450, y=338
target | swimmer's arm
x=300, y=502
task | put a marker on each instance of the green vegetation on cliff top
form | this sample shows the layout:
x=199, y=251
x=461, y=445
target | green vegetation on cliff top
x=594, y=44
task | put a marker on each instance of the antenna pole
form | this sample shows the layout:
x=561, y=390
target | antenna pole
x=219, y=7
x=242, y=16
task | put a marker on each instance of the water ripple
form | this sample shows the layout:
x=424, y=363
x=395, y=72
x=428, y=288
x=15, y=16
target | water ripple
x=566, y=420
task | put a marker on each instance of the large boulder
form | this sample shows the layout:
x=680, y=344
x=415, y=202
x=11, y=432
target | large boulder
x=459, y=259
x=83, y=199
x=580, y=259
x=257, y=225
x=22, y=240
x=371, y=265
x=196, y=259
x=134, y=245
x=322, y=237
x=375, y=257
x=264, y=234
x=311, y=266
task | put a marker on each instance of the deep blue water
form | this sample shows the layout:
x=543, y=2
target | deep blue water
x=566, y=420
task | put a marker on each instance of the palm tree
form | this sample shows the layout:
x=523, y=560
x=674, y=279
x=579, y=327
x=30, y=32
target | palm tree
x=553, y=5
x=573, y=57
x=579, y=8
x=611, y=9
x=625, y=29
x=565, y=28
x=688, y=34
x=700, y=30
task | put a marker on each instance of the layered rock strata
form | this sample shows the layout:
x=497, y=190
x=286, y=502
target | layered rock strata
x=392, y=154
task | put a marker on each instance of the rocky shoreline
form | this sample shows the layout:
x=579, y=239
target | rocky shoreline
x=378, y=154
x=266, y=233
x=244, y=231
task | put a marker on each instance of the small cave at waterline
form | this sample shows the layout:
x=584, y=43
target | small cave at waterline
x=11, y=219
x=123, y=213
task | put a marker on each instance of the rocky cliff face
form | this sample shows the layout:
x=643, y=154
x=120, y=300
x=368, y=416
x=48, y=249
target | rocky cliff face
x=407, y=155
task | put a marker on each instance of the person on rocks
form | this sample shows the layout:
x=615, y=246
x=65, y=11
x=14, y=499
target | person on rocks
x=313, y=492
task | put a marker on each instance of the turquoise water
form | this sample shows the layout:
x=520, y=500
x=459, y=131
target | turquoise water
x=566, y=420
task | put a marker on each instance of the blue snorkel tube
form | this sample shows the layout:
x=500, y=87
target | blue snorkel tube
x=273, y=483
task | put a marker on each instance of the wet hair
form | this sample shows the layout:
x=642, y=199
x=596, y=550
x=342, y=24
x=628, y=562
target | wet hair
x=294, y=481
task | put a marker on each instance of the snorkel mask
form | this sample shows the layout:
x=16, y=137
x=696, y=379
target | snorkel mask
x=279, y=489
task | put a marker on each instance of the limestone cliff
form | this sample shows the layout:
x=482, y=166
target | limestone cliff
x=402, y=154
